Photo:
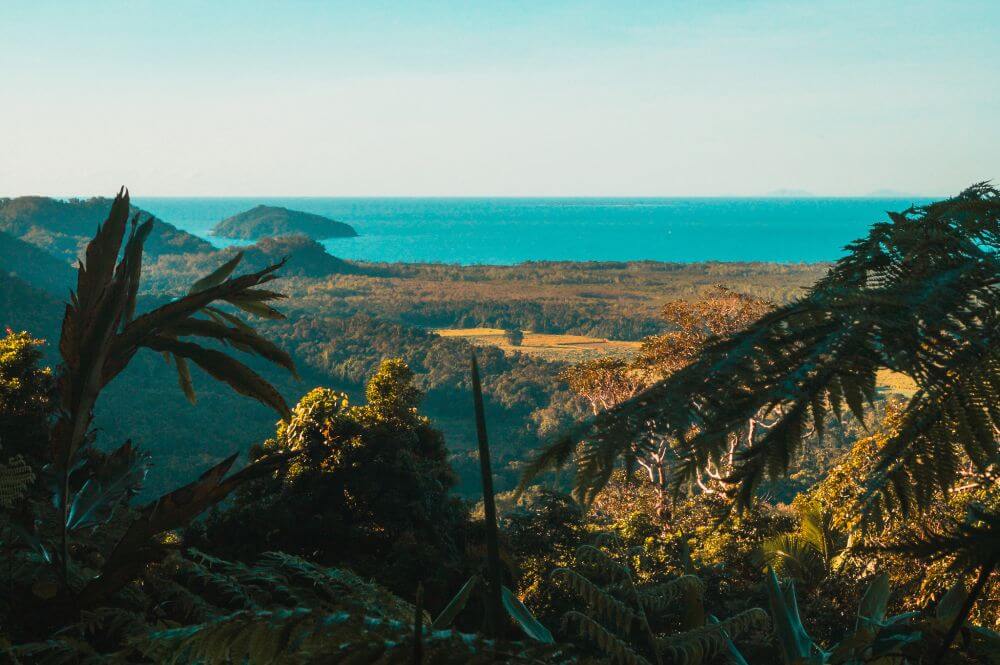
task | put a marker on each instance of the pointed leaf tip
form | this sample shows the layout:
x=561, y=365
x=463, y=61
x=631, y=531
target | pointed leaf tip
x=525, y=619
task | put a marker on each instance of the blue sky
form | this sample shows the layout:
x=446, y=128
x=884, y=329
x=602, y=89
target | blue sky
x=519, y=98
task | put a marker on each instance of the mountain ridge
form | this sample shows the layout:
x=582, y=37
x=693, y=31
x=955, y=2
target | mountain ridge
x=62, y=227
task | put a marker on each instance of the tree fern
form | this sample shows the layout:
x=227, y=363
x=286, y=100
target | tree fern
x=919, y=295
x=314, y=615
x=280, y=609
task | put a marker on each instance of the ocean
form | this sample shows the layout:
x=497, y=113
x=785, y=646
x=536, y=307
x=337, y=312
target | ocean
x=505, y=231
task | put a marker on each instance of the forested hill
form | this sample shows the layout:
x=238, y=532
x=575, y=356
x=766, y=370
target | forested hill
x=26, y=307
x=307, y=258
x=62, y=227
x=36, y=266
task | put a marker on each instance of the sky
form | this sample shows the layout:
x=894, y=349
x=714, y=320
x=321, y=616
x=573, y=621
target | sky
x=536, y=98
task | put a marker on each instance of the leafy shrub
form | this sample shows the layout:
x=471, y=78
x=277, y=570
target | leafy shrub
x=368, y=490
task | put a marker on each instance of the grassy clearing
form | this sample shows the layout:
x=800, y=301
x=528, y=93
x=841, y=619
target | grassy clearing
x=574, y=348
x=566, y=348
x=894, y=382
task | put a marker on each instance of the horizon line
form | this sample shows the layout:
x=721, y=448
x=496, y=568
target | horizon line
x=804, y=196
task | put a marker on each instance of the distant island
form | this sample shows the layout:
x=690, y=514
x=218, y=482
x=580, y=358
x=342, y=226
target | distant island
x=268, y=221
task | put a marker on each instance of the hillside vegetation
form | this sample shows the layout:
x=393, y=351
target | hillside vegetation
x=344, y=317
x=35, y=266
x=736, y=490
x=63, y=227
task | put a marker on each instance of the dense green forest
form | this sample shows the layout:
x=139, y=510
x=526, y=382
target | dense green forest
x=343, y=318
x=221, y=457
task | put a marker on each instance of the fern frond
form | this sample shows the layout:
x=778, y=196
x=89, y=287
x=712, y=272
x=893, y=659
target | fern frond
x=301, y=636
x=16, y=476
x=661, y=598
x=600, y=561
x=63, y=650
x=702, y=644
x=600, y=603
x=620, y=652
x=214, y=574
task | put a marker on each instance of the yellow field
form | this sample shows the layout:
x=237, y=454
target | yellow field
x=896, y=383
x=574, y=348
x=571, y=348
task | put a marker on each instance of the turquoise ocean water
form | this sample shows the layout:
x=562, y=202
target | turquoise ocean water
x=506, y=231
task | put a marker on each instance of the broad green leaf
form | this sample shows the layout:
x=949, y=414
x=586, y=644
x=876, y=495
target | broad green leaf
x=871, y=610
x=951, y=603
x=795, y=644
x=524, y=618
x=733, y=654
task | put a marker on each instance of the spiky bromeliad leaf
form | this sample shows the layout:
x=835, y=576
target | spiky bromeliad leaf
x=494, y=579
x=919, y=295
x=217, y=276
x=111, y=480
x=254, y=301
x=871, y=609
x=243, y=338
x=184, y=378
x=733, y=655
x=137, y=546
